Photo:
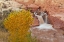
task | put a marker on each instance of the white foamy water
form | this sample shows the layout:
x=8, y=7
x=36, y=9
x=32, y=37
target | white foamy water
x=41, y=21
x=45, y=26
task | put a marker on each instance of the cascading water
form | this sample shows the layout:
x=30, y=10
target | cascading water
x=45, y=17
x=43, y=23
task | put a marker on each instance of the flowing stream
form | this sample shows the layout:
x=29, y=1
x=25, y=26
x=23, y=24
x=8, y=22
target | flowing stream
x=43, y=22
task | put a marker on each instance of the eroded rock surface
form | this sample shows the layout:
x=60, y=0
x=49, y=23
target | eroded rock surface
x=52, y=7
x=58, y=20
x=35, y=22
x=56, y=35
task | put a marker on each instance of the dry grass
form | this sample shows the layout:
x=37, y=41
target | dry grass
x=3, y=35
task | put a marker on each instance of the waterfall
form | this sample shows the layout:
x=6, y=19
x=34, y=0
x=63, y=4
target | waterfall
x=43, y=22
x=40, y=18
x=46, y=20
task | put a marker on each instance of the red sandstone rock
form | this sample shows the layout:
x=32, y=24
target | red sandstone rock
x=39, y=2
x=55, y=11
x=35, y=22
x=57, y=20
x=32, y=6
x=25, y=2
x=48, y=36
x=52, y=7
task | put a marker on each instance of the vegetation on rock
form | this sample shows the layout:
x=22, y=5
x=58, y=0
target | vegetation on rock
x=18, y=24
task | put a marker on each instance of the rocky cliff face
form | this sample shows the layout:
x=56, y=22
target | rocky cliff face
x=55, y=7
x=55, y=11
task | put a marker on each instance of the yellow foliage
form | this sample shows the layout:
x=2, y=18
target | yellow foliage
x=18, y=24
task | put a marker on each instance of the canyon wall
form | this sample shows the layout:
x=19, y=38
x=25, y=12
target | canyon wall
x=55, y=9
